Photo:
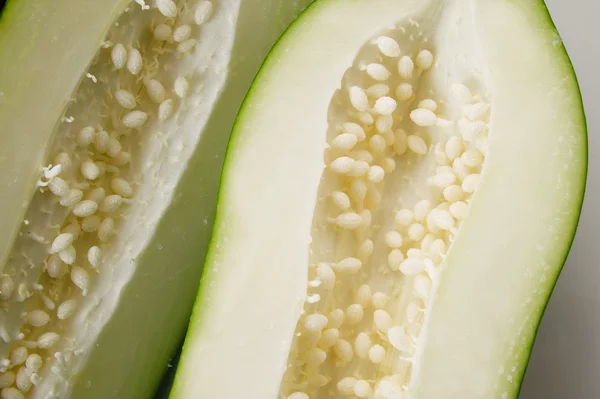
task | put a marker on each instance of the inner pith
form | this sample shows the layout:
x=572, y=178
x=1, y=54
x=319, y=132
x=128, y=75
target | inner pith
x=402, y=166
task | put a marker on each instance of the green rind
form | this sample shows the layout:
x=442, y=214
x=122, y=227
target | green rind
x=579, y=205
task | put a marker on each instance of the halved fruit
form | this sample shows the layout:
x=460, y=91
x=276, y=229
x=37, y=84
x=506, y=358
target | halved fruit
x=400, y=192
x=109, y=181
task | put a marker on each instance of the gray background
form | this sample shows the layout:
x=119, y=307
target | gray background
x=566, y=356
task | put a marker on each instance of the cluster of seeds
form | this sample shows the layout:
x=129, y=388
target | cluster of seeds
x=352, y=339
x=84, y=193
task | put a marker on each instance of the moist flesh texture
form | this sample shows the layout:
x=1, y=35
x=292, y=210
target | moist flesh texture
x=402, y=257
x=109, y=202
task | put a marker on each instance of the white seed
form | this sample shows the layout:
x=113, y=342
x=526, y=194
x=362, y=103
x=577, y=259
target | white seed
x=412, y=266
x=472, y=158
x=341, y=200
x=382, y=320
x=134, y=61
x=90, y=224
x=118, y=55
x=460, y=169
x=461, y=93
x=101, y=140
x=114, y=147
x=11, y=393
x=377, y=354
x=354, y=314
x=417, y=145
x=378, y=72
x=125, y=99
x=343, y=350
x=378, y=90
x=342, y=165
x=440, y=156
x=298, y=395
x=85, y=208
x=421, y=209
x=470, y=183
x=384, y=123
x=73, y=197
x=388, y=46
x=385, y=105
x=23, y=379
x=404, y=217
x=442, y=219
x=363, y=295
x=122, y=159
x=349, y=220
x=424, y=60
x=406, y=67
x=48, y=340
x=393, y=239
x=376, y=174
x=477, y=111
x=203, y=12
x=106, y=229
x=93, y=256
x=398, y=338
x=379, y=300
x=366, y=118
x=121, y=187
x=168, y=8
x=315, y=322
x=388, y=165
x=162, y=32
x=437, y=248
x=111, y=203
x=61, y=242
x=18, y=356
x=90, y=170
x=329, y=337
x=37, y=318
x=377, y=143
x=58, y=187
x=66, y=309
x=345, y=386
x=326, y=275
x=359, y=168
x=7, y=286
x=428, y=104
x=422, y=285
x=358, y=190
x=68, y=255
x=64, y=160
x=336, y=318
x=365, y=250
x=459, y=210
x=442, y=180
x=355, y=129
x=135, y=119
x=34, y=362
x=165, y=110
x=395, y=258
x=416, y=232
x=55, y=266
x=471, y=131
x=453, y=193
x=362, y=343
x=315, y=356
x=85, y=136
x=358, y=98
x=7, y=379
x=182, y=33
x=426, y=241
x=81, y=278
x=181, y=87
x=454, y=147
x=155, y=90
x=348, y=265
x=423, y=117
x=404, y=91
x=186, y=46
x=344, y=141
